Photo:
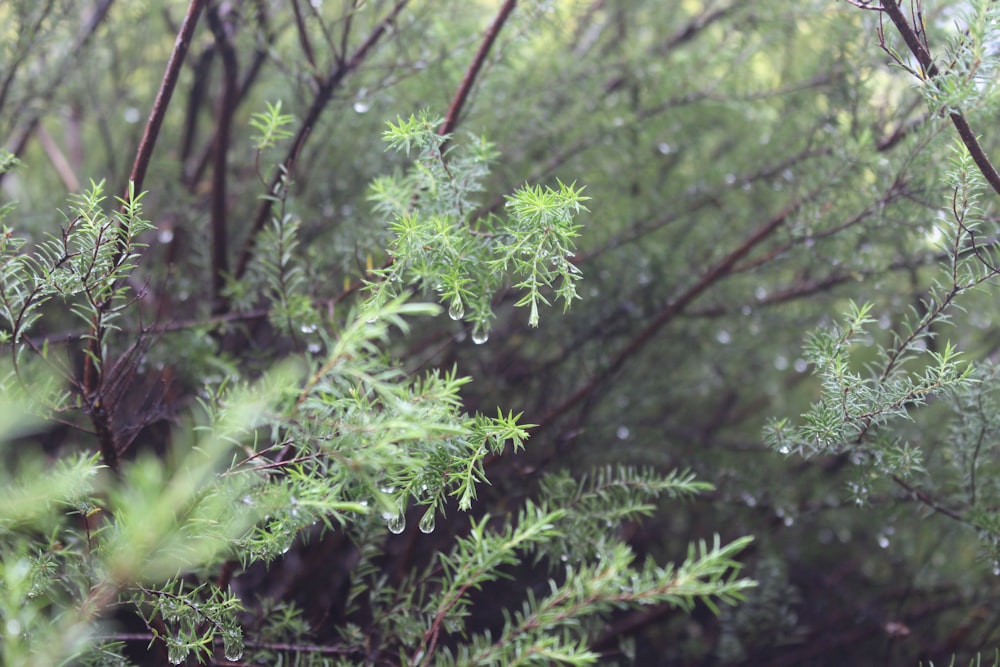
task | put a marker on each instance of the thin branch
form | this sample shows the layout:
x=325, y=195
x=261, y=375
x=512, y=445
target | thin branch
x=93, y=372
x=192, y=175
x=83, y=39
x=163, y=95
x=670, y=312
x=918, y=48
x=202, y=68
x=323, y=95
x=58, y=159
x=458, y=102
x=303, y=35
x=697, y=25
x=928, y=501
x=220, y=149
x=14, y=63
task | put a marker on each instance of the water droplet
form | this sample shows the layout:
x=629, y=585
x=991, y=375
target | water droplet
x=397, y=524
x=362, y=104
x=427, y=522
x=232, y=644
x=456, y=310
x=480, y=334
x=176, y=653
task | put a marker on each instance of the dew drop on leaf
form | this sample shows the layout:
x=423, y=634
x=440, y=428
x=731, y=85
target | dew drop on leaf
x=480, y=335
x=233, y=646
x=427, y=522
x=456, y=310
x=397, y=524
x=176, y=653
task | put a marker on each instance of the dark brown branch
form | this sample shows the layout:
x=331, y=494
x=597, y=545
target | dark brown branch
x=323, y=95
x=458, y=102
x=163, y=95
x=698, y=24
x=669, y=313
x=220, y=149
x=93, y=374
x=929, y=70
x=300, y=29
x=926, y=500
x=193, y=175
x=196, y=96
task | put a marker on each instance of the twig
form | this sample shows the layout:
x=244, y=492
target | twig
x=163, y=95
x=93, y=390
x=58, y=159
x=323, y=95
x=458, y=102
x=303, y=35
x=86, y=34
x=918, y=48
x=670, y=312
x=220, y=150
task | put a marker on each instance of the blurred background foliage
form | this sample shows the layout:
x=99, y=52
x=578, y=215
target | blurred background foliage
x=752, y=168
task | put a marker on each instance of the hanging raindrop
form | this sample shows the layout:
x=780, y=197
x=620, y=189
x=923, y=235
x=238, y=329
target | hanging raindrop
x=362, y=104
x=427, y=522
x=456, y=310
x=397, y=524
x=233, y=646
x=176, y=653
x=480, y=334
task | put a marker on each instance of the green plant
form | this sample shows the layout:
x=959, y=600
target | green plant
x=338, y=437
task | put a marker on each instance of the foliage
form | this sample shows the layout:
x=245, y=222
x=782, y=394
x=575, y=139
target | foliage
x=328, y=436
x=773, y=231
